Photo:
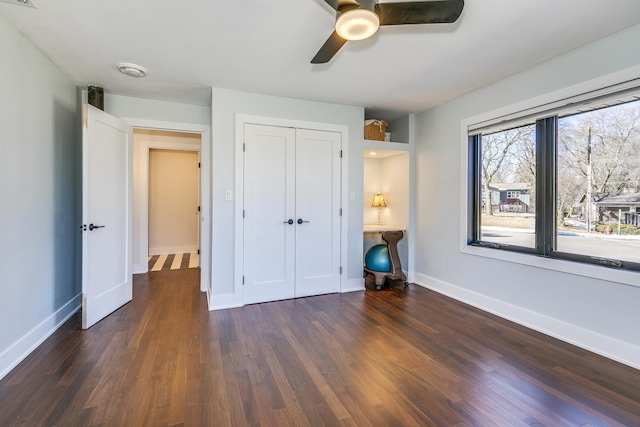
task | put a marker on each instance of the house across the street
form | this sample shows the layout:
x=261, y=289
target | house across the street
x=613, y=207
x=510, y=197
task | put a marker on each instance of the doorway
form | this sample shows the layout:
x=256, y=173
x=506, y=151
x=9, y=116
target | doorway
x=169, y=137
x=174, y=208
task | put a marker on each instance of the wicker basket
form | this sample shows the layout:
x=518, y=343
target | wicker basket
x=375, y=129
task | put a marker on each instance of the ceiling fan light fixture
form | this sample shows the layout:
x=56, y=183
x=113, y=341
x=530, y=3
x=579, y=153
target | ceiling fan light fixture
x=132, y=70
x=357, y=24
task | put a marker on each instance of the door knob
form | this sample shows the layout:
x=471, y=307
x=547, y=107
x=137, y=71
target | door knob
x=300, y=221
x=288, y=222
x=91, y=226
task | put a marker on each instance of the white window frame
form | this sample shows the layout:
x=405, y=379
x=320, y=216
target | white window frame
x=513, y=194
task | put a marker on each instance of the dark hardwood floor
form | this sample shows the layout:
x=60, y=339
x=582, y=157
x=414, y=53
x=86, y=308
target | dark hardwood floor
x=400, y=357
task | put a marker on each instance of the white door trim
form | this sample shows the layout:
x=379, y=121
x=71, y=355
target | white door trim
x=241, y=120
x=142, y=200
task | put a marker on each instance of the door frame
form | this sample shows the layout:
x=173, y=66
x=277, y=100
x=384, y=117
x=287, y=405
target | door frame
x=141, y=195
x=241, y=120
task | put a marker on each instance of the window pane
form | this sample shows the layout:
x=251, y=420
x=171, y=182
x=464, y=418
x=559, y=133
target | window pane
x=598, y=198
x=508, y=162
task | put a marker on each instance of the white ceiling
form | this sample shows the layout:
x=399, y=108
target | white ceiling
x=265, y=47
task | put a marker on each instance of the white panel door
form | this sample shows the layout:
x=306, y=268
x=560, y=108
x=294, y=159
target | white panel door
x=269, y=195
x=317, y=212
x=107, y=215
x=291, y=213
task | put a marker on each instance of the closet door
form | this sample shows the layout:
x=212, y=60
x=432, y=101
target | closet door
x=317, y=204
x=269, y=201
x=291, y=213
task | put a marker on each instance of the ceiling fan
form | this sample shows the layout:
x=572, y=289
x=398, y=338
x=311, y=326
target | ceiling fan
x=360, y=19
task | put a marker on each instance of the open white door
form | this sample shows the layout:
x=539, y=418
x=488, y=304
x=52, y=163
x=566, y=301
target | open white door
x=107, y=215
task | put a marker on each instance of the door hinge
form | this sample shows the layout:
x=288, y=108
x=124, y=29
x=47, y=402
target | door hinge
x=198, y=208
x=243, y=280
x=340, y=211
x=340, y=153
x=244, y=147
x=199, y=165
x=340, y=269
x=198, y=251
x=243, y=213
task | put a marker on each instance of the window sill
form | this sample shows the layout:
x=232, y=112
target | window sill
x=624, y=277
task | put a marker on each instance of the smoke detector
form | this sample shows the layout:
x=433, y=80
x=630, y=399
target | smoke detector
x=132, y=70
x=25, y=3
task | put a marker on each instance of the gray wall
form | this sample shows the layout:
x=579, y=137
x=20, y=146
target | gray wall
x=597, y=308
x=228, y=103
x=151, y=109
x=40, y=154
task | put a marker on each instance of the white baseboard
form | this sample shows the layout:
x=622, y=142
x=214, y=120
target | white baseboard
x=20, y=349
x=353, y=285
x=595, y=342
x=172, y=250
x=224, y=301
x=140, y=268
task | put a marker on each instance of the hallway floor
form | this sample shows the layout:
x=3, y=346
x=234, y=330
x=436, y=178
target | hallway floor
x=174, y=261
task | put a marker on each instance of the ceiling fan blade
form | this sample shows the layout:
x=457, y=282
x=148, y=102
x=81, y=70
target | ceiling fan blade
x=328, y=49
x=423, y=12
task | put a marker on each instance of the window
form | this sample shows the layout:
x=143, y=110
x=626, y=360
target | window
x=507, y=163
x=513, y=194
x=563, y=184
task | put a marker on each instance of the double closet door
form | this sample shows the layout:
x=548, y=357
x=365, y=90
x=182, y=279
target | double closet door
x=291, y=213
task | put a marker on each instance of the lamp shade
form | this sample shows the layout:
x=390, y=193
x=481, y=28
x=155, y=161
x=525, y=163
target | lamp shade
x=378, y=201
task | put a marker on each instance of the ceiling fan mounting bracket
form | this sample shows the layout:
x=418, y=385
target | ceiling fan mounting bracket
x=346, y=8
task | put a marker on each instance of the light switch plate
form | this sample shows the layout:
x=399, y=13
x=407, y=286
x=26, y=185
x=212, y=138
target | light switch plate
x=228, y=195
x=352, y=195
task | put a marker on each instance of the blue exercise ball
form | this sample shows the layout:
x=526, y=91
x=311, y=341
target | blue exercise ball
x=377, y=258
